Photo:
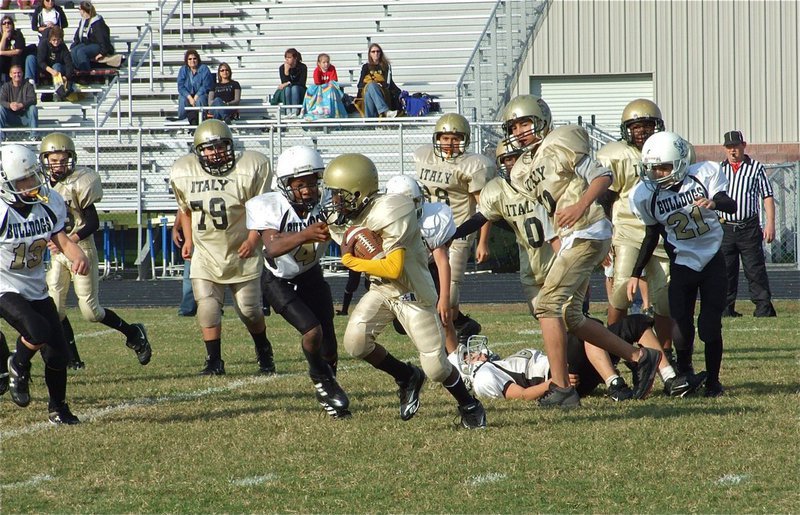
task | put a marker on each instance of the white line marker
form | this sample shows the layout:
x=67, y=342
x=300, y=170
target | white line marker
x=96, y=333
x=255, y=480
x=530, y=331
x=731, y=479
x=483, y=479
x=35, y=480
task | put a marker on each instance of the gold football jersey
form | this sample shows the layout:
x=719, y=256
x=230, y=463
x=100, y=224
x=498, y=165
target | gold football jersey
x=217, y=207
x=453, y=181
x=559, y=172
x=80, y=189
x=394, y=218
x=531, y=225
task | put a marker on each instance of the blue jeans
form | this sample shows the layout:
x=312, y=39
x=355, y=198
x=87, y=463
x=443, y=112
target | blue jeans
x=222, y=114
x=82, y=55
x=188, y=305
x=60, y=69
x=31, y=70
x=193, y=116
x=374, y=103
x=293, y=95
x=27, y=118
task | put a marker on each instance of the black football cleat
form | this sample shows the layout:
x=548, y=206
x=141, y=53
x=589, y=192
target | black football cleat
x=266, y=363
x=331, y=397
x=557, y=397
x=473, y=416
x=3, y=382
x=409, y=393
x=619, y=391
x=466, y=327
x=684, y=384
x=140, y=345
x=214, y=367
x=74, y=360
x=19, y=379
x=645, y=370
x=62, y=415
x=714, y=389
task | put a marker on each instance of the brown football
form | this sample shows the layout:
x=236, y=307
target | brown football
x=367, y=244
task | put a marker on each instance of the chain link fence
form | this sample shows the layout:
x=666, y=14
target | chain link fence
x=785, y=181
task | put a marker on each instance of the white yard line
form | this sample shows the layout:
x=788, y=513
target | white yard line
x=254, y=480
x=34, y=481
x=483, y=479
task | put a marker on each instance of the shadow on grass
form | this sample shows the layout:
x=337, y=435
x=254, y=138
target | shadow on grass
x=766, y=389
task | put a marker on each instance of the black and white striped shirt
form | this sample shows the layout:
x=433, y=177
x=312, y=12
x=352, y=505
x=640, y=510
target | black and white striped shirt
x=747, y=187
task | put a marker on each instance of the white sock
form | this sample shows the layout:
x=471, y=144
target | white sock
x=610, y=379
x=667, y=373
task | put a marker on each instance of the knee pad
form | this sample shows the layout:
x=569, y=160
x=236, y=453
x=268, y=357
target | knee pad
x=91, y=311
x=573, y=318
x=435, y=365
x=209, y=312
x=358, y=342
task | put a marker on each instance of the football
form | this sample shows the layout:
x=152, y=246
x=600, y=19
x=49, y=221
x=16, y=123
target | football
x=367, y=244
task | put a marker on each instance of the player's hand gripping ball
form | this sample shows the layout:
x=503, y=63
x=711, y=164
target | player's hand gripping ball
x=365, y=244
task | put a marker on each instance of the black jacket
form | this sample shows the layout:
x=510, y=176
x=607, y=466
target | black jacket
x=97, y=33
x=38, y=21
x=46, y=56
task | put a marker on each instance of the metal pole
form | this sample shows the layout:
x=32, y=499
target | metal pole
x=150, y=52
x=402, y=151
x=797, y=215
x=181, y=9
x=139, y=200
x=161, y=39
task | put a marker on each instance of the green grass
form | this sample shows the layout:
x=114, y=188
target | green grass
x=162, y=439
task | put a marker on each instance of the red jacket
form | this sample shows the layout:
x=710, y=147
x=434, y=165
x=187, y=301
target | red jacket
x=321, y=77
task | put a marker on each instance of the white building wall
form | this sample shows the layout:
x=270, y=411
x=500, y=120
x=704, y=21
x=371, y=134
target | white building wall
x=716, y=65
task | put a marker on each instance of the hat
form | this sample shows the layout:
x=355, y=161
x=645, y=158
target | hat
x=733, y=138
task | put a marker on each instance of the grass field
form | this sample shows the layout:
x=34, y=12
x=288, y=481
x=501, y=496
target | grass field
x=162, y=439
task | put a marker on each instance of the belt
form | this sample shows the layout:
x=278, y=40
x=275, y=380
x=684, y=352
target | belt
x=744, y=223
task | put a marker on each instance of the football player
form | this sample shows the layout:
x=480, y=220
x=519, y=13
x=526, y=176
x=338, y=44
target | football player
x=295, y=238
x=451, y=174
x=30, y=216
x=81, y=189
x=556, y=170
x=212, y=185
x=677, y=201
x=401, y=286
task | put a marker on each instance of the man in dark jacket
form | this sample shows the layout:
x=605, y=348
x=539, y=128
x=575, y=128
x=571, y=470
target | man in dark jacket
x=18, y=103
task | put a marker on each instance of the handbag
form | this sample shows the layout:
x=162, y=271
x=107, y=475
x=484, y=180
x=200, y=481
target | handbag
x=277, y=98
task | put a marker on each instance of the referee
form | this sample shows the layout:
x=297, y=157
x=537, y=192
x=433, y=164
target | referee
x=742, y=234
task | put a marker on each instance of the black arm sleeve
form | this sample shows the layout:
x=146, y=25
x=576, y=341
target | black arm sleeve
x=606, y=200
x=724, y=203
x=503, y=225
x=470, y=226
x=92, y=223
x=646, y=250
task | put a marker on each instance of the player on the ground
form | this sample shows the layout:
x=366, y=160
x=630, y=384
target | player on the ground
x=81, y=189
x=556, y=170
x=676, y=201
x=401, y=286
x=211, y=186
x=295, y=238
x=30, y=216
x=452, y=174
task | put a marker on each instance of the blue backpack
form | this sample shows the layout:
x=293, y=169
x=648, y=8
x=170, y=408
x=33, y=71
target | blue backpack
x=418, y=104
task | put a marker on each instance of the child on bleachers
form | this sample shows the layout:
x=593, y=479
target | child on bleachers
x=325, y=71
x=324, y=99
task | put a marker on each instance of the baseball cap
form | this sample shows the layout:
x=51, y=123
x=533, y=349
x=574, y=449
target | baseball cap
x=733, y=138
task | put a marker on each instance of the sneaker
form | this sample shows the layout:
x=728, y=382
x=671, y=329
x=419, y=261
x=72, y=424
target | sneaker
x=74, y=360
x=62, y=415
x=331, y=397
x=646, y=370
x=390, y=114
x=341, y=313
x=409, y=393
x=473, y=416
x=3, y=382
x=213, y=368
x=466, y=327
x=266, y=365
x=714, y=389
x=619, y=391
x=561, y=397
x=684, y=384
x=18, y=383
x=140, y=344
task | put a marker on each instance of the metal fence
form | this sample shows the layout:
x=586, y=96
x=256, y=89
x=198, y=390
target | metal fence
x=785, y=181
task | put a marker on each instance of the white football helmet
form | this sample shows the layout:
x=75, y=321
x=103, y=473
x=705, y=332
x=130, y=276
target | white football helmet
x=20, y=163
x=405, y=185
x=471, y=356
x=664, y=148
x=299, y=161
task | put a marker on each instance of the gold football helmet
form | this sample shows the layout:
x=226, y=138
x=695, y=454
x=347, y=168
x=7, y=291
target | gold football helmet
x=640, y=110
x=527, y=107
x=451, y=123
x=57, y=142
x=352, y=181
x=505, y=151
x=213, y=145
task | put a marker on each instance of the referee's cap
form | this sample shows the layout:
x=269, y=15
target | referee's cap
x=733, y=138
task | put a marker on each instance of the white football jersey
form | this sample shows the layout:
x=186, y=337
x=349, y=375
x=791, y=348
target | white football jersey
x=436, y=224
x=525, y=368
x=692, y=234
x=273, y=211
x=23, y=242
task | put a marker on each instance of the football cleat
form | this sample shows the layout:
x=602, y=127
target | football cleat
x=684, y=384
x=645, y=372
x=466, y=327
x=266, y=364
x=473, y=416
x=3, y=382
x=140, y=344
x=619, y=391
x=19, y=379
x=62, y=415
x=565, y=398
x=714, y=389
x=214, y=367
x=331, y=397
x=74, y=360
x=409, y=393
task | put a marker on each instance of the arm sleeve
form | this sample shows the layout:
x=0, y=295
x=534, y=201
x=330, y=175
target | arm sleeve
x=332, y=74
x=41, y=56
x=474, y=223
x=35, y=19
x=206, y=81
x=763, y=183
x=103, y=38
x=360, y=84
x=317, y=76
x=62, y=18
x=69, y=65
x=183, y=90
x=4, y=96
x=649, y=245
x=724, y=203
x=28, y=94
x=389, y=267
x=606, y=201
x=302, y=75
x=91, y=223
x=237, y=95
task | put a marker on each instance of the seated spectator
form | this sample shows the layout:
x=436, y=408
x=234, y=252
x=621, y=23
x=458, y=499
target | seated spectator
x=380, y=94
x=13, y=51
x=92, y=41
x=324, y=99
x=47, y=15
x=226, y=92
x=22, y=4
x=194, y=83
x=18, y=103
x=293, y=74
x=54, y=60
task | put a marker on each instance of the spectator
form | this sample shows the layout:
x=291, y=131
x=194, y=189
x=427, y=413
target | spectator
x=226, y=92
x=53, y=58
x=380, y=94
x=742, y=234
x=47, y=15
x=18, y=103
x=293, y=74
x=188, y=307
x=324, y=99
x=22, y=4
x=92, y=41
x=12, y=50
x=194, y=83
